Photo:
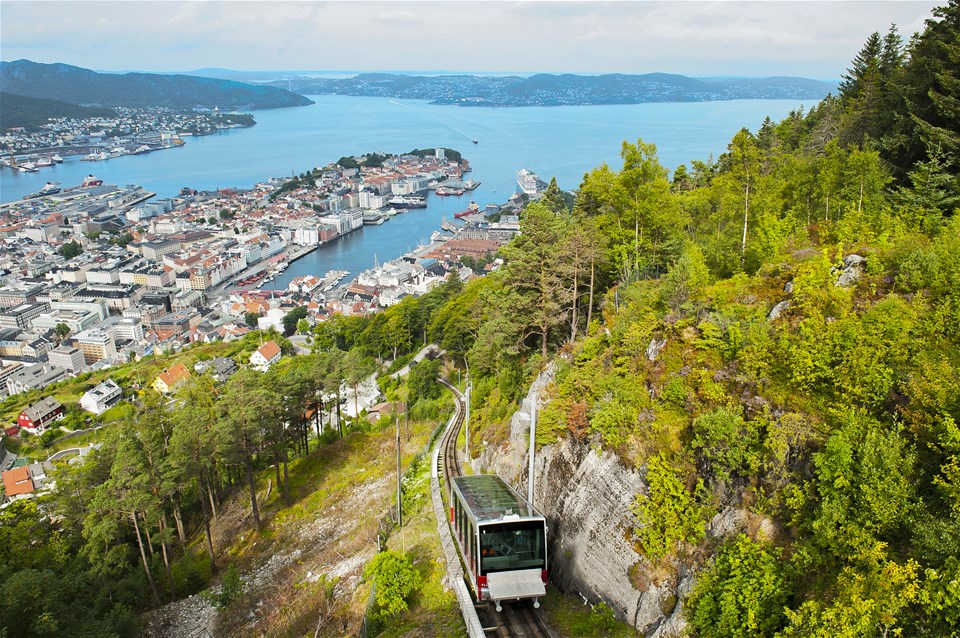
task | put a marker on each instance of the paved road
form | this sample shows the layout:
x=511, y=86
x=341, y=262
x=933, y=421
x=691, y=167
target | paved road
x=300, y=344
x=402, y=372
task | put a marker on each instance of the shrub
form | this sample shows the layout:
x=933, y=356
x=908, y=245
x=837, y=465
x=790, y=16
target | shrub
x=726, y=443
x=668, y=513
x=394, y=579
x=742, y=594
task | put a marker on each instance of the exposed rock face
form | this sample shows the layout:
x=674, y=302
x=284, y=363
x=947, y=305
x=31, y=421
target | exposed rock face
x=653, y=350
x=586, y=496
x=853, y=268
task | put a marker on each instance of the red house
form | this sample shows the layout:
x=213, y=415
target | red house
x=36, y=418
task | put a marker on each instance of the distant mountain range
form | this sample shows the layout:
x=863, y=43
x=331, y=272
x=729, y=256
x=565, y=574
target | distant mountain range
x=556, y=90
x=77, y=85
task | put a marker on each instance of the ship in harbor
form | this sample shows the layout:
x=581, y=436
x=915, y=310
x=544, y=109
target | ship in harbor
x=472, y=208
x=50, y=188
x=409, y=201
x=529, y=183
x=90, y=181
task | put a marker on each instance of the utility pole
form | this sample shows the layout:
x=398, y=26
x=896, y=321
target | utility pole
x=533, y=446
x=466, y=423
x=396, y=421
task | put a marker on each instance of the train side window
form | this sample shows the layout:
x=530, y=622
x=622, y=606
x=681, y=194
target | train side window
x=473, y=553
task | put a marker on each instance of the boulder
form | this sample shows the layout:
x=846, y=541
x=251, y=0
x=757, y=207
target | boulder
x=778, y=310
x=853, y=268
x=656, y=345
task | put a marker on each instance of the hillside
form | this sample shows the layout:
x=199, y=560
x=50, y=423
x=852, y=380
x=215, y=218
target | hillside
x=566, y=89
x=747, y=379
x=30, y=113
x=82, y=86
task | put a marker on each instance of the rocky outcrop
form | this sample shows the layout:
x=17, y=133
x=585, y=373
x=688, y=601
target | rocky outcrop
x=778, y=310
x=586, y=495
x=653, y=350
x=853, y=268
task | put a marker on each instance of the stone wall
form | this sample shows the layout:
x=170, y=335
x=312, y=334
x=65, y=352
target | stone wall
x=586, y=496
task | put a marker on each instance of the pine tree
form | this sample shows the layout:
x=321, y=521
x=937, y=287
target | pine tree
x=866, y=60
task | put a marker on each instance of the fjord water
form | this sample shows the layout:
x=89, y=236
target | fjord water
x=562, y=142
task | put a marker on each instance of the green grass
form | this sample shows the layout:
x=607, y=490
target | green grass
x=570, y=618
x=433, y=609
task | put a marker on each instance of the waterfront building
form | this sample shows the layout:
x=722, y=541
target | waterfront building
x=307, y=236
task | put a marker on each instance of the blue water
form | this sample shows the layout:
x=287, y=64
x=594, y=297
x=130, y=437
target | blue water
x=562, y=142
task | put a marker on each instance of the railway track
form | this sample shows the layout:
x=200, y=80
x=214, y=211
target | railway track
x=519, y=619
x=450, y=466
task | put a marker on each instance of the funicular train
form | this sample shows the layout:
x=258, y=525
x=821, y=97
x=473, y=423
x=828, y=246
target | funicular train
x=502, y=539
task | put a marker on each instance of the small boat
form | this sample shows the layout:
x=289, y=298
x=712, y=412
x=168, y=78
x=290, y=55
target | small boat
x=475, y=141
x=56, y=159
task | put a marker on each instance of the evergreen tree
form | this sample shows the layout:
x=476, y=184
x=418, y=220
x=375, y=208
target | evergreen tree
x=862, y=68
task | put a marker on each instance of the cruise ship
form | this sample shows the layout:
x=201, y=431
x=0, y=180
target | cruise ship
x=529, y=183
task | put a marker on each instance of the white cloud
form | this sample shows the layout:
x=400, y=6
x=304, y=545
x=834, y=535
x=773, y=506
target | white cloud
x=592, y=34
x=815, y=39
x=399, y=17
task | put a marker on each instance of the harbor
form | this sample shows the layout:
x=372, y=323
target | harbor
x=293, y=140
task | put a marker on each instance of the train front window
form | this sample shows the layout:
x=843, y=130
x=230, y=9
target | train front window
x=510, y=546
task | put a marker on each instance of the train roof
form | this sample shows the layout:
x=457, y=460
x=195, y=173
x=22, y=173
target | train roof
x=490, y=499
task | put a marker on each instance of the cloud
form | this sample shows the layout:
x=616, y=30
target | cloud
x=399, y=17
x=592, y=34
x=816, y=39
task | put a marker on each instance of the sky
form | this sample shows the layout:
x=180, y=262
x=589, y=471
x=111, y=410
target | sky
x=811, y=38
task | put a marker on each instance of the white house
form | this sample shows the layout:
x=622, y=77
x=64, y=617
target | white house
x=101, y=398
x=265, y=356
